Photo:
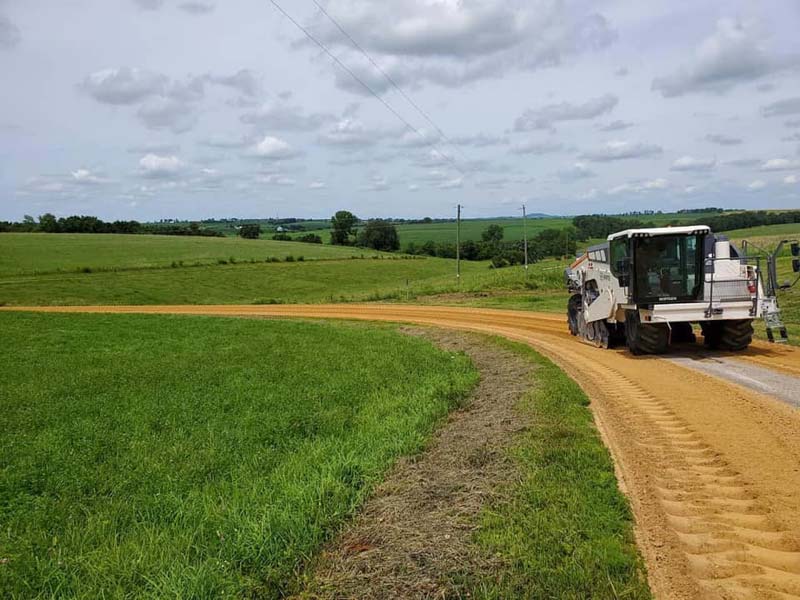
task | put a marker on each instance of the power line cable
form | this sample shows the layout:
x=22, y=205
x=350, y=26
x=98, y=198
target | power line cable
x=386, y=75
x=350, y=72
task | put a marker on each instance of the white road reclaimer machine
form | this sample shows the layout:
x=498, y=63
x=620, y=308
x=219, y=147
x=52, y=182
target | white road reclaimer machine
x=646, y=287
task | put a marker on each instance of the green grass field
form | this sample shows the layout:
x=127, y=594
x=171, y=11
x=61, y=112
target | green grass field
x=169, y=457
x=389, y=278
x=27, y=253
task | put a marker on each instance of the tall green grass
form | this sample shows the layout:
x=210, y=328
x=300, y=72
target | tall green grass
x=169, y=457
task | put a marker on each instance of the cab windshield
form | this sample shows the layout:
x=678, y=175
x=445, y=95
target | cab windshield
x=668, y=268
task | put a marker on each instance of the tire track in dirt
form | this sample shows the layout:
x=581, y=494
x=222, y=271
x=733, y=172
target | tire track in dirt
x=711, y=468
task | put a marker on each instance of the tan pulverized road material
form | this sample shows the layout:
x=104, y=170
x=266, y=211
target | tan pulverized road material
x=712, y=469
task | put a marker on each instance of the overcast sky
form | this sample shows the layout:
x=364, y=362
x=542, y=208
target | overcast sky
x=150, y=109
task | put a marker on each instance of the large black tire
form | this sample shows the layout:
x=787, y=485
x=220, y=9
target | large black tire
x=734, y=335
x=645, y=338
x=574, y=308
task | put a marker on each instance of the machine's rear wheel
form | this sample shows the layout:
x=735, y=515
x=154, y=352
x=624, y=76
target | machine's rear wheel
x=574, y=310
x=645, y=338
x=734, y=335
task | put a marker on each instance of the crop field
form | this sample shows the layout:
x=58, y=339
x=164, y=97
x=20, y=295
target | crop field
x=25, y=253
x=156, y=457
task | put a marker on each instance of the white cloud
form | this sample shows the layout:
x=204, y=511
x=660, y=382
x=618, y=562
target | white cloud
x=639, y=187
x=655, y=184
x=789, y=106
x=86, y=177
x=575, y=172
x=167, y=114
x=780, y=164
x=352, y=133
x=622, y=150
x=275, y=179
x=791, y=179
x=378, y=183
x=733, y=54
x=723, y=140
x=244, y=81
x=758, y=184
x=743, y=162
x=547, y=116
x=154, y=166
x=423, y=139
x=451, y=184
x=283, y=117
x=273, y=148
x=536, y=147
x=453, y=43
x=124, y=85
x=317, y=185
x=617, y=125
x=689, y=163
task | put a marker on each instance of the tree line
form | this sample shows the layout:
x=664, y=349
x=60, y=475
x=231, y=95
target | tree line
x=49, y=223
x=382, y=235
x=601, y=226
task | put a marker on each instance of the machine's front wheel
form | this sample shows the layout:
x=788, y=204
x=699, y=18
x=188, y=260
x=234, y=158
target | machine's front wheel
x=574, y=311
x=645, y=338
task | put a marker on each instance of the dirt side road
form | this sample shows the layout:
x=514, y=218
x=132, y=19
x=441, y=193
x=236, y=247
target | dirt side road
x=712, y=469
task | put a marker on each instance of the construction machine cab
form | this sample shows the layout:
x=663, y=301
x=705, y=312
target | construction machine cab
x=659, y=265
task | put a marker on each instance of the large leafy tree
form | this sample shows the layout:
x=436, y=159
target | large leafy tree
x=250, y=231
x=343, y=227
x=379, y=235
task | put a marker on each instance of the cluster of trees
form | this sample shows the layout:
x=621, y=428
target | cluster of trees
x=709, y=209
x=309, y=238
x=250, y=231
x=49, y=223
x=550, y=242
x=376, y=234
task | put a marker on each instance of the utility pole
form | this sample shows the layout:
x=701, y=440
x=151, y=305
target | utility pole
x=525, y=237
x=458, y=246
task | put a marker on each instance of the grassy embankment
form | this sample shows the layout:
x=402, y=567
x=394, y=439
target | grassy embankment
x=566, y=531
x=156, y=457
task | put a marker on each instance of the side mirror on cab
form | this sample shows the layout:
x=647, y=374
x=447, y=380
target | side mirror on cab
x=795, y=249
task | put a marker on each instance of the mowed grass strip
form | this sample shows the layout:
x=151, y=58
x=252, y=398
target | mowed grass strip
x=34, y=253
x=190, y=457
x=565, y=530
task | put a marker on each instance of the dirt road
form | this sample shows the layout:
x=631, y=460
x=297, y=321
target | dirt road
x=712, y=468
